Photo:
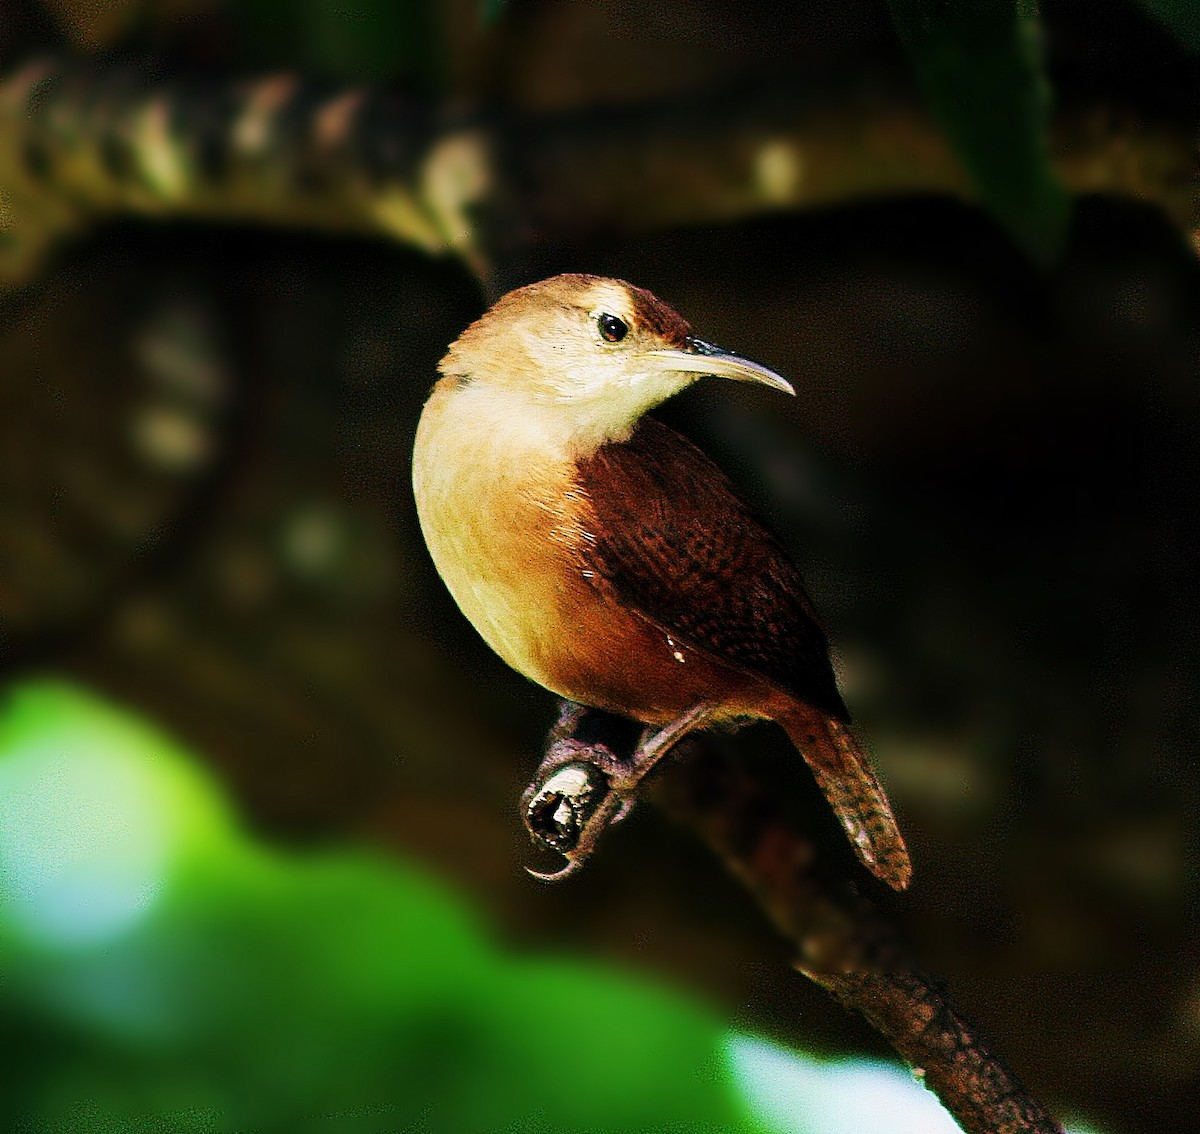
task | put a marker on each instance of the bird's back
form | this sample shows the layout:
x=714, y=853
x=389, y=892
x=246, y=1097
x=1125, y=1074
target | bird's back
x=678, y=545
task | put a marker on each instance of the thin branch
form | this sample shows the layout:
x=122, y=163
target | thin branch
x=79, y=144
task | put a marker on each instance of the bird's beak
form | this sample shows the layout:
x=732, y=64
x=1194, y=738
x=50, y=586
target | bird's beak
x=698, y=357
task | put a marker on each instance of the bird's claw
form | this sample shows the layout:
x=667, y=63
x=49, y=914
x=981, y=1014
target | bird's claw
x=580, y=790
x=625, y=808
x=568, y=807
x=584, y=786
x=571, y=866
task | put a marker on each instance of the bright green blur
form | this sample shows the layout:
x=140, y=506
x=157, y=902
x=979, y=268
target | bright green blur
x=161, y=971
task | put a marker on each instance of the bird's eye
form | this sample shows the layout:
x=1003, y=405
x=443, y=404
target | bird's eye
x=612, y=329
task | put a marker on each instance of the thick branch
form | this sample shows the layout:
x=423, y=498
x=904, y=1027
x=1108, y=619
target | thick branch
x=76, y=145
x=843, y=942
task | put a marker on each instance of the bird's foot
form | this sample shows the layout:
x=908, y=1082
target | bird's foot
x=584, y=785
x=581, y=787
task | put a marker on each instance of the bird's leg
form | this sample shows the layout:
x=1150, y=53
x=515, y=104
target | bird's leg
x=584, y=785
x=654, y=745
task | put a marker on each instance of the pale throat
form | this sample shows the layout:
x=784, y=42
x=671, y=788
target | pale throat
x=571, y=423
x=542, y=428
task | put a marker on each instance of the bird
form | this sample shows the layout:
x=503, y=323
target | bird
x=606, y=557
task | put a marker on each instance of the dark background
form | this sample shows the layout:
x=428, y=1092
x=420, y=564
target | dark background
x=989, y=475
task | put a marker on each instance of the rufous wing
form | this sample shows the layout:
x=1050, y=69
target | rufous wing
x=679, y=547
x=677, y=544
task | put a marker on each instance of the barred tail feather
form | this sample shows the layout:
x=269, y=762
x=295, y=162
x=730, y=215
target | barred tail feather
x=844, y=773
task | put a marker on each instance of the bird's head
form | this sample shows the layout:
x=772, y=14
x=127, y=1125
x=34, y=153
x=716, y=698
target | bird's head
x=589, y=353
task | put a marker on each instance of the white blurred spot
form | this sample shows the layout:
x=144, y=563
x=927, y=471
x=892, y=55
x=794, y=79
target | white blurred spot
x=796, y=1094
x=83, y=844
x=799, y=1095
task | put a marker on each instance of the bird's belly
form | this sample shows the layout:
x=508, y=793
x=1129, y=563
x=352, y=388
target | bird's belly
x=517, y=566
x=497, y=531
x=505, y=584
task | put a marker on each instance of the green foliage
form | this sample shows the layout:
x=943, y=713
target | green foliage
x=1182, y=17
x=161, y=971
x=980, y=67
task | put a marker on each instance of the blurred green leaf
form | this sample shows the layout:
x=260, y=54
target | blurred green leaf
x=160, y=970
x=980, y=67
x=1182, y=17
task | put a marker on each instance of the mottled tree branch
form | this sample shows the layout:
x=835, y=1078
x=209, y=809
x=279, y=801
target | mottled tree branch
x=80, y=144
